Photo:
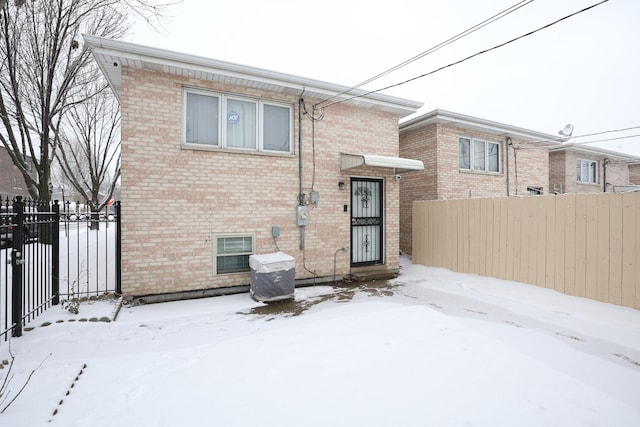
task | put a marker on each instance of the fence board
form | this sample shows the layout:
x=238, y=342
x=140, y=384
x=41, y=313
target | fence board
x=450, y=238
x=636, y=279
x=494, y=217
x=550, y=253
x=583, y=245
x=591, y=256
x=465, y=237
x=517, y=246
x=541, y=235
x=483, y=225
x=504, y=233
x=441, y=236
x=527, y=242
x=558, y=243
x=511, y=240
x=570, y=245
x=631, y=250
x=602, y=247
x=615, y=250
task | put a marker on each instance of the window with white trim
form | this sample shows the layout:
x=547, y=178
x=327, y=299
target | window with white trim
x=235, y=122
x=587, y=171
x=478, y=155
x=232, y=253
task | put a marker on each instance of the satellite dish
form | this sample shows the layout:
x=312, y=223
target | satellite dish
x=566, y=131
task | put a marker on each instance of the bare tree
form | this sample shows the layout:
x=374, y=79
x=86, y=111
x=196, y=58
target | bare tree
x=45, y=70
x=88, y=154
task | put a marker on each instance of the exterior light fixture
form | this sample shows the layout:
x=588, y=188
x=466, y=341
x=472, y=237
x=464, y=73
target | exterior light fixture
x=341, y=185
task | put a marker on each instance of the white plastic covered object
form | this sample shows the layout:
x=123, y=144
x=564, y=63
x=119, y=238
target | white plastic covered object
x=272, y=276
x=268, y=263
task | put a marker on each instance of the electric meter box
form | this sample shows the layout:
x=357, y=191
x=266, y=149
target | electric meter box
x=272, y=276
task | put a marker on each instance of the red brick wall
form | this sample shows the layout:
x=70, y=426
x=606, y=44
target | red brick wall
x=11, y=180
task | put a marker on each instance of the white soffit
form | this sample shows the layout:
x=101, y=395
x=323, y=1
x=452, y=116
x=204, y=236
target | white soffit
x=112, y=55
x=348, y=161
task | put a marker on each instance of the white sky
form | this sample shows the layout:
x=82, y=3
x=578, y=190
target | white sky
x=583, y=70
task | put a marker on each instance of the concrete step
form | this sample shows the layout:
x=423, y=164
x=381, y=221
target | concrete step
x=367, y=276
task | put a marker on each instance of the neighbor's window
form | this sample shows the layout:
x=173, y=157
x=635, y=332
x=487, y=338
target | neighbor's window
x=478, y=155
x=232, y=254
x=587, y=171
x=226, y=121
x=534, y=191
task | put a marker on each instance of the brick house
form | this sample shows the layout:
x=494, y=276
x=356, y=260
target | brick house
x=469, y=157
x=11, y=180
x=577, y=168
x=634, y=173
x=221, y=160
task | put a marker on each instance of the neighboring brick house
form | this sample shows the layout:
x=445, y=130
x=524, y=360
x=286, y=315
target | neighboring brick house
x=634, y=173
x=469, y=157
x=220, y=161
x=11, y=180
x=578, y=168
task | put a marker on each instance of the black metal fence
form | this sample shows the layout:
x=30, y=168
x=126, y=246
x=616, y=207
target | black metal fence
x=51, y=252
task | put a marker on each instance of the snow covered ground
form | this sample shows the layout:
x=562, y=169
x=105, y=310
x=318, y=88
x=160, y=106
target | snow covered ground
x=434, y=348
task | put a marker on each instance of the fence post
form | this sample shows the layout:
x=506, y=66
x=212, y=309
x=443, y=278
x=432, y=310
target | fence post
x=55, y=255
x=16, y=266
x=118, y=250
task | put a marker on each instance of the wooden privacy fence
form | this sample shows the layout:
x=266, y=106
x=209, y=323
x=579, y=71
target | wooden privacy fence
x=586, y=245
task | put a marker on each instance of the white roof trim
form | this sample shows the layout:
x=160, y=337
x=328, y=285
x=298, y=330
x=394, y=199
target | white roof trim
x=399, y=164
x=596, y=151
x=483, y=125
x=111, y=55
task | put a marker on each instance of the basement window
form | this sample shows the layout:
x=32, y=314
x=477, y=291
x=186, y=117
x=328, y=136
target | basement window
x=534, y=191
x=232, y=253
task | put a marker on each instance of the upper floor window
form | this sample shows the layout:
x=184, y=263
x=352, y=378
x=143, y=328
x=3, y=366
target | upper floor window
x=479, y=155
x=587, y=171
x=234, y=122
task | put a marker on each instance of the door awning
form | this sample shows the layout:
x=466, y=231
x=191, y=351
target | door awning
x=399, y=164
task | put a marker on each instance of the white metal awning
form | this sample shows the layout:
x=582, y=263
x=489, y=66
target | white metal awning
x=399, y=164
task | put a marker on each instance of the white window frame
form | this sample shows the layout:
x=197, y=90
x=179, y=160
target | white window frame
x=216, y=254
x=222, y=122
x=472, y=163
x=261, y=106
x=585, y=180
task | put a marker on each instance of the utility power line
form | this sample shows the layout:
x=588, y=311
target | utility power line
x=434, y=48
x=470, y=56
x=526, y=144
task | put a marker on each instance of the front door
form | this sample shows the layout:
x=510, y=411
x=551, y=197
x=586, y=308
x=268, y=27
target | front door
x=366, y=221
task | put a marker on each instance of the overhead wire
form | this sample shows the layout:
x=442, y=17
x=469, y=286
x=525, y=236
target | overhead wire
x=470, y=56
x=562, y=139
x=435, y=48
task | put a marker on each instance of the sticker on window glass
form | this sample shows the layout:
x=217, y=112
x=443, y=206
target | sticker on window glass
x=233, y=117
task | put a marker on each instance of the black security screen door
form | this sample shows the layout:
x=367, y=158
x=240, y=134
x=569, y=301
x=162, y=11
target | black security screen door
x=366, y=221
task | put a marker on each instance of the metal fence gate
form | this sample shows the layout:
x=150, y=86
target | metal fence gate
x=50, y=252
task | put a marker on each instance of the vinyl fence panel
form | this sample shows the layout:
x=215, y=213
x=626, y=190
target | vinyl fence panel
x=586, y=245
